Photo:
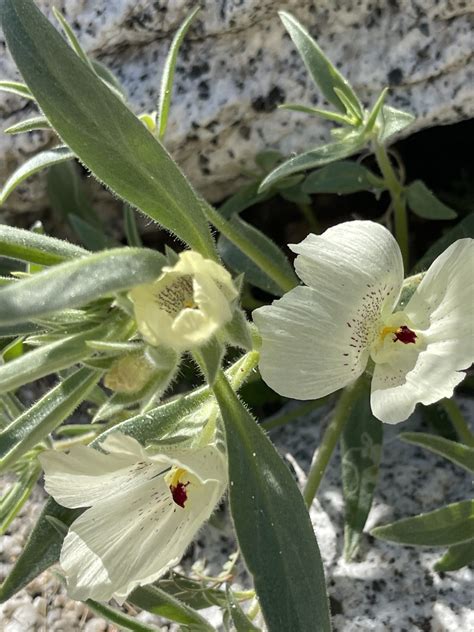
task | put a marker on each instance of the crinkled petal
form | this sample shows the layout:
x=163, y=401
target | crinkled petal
x=443, y=304
x=359, y=260
x=123, y=543
x=308, y=349
x=424, y=377
x=207, y=463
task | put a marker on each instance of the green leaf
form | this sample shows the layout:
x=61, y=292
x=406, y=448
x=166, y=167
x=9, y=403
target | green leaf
x=130, y=227
x=464, y=228
x=45, y=415
x=422, y=202
x=106, y=136
x=121, y=620
x=17, y=495
x=157, y=601
x=374, y=113
x=93, y=238
x=307, y=109
x=344, y=176
x=71, y=38
x=28, y=246
x=458, y=453
x=15, y=87
x=41, y=549
x=393, y=121
x=33, y=165
x=13, y=350
x=245, y=197
x=167, y=77
x=209, y=358
x=241, y=263
x=268, y=159
x=272, y=525
x=54, y=356
x=28, y=125
x=192, y=592
x=240, y=620
x=456, y=557
x=324, y=73
x=449, y=525
x=75, y=283
x=316, y=158
x=361, y=449
x=108, y=77
x=67, y=193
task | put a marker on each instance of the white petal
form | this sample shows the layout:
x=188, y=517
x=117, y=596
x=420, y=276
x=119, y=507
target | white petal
x=443, y=304
x=85, y=475
x=307, y=346
x=130, y=541
x=355, y=259
x=207, y=463
x=424, y=377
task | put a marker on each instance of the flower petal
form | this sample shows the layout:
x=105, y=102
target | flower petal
x=86, y=476
x=356, y=259
x=123, y=543
x=443, y=303
x=306, y=345
x=316, y=339
x=423, y=378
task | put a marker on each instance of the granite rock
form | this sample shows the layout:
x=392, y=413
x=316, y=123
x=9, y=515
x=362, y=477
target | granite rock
x=237, y=65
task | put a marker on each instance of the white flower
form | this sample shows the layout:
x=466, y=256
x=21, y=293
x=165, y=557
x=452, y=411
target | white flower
x=186, y=305
x=144, y=511
x=319, y=338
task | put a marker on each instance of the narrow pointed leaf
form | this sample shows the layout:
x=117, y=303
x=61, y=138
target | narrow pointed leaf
x=99, y=128
x=28, y=125
x=71, y=37
x=12, y=502
x=374, y=113
x=272, y=525
x=324, y=73
x=26, y=245
x=131, y=228
x=68, y=194
x=45, y=415
x=456, y=452
x=75, y=283
x=53, y=357
x=39, y=162
x=307, y=109
x=157, y=601
x=240, y=620
x=15, y=87
x=166, y=88
x=422, y=202
x=316, y=158
x=456, y=557
x=121, y=620
x=361, y=449
x=449, y=525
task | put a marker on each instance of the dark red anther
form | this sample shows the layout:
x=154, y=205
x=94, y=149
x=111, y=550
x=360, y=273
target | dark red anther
x=179, y=493
x=405, y=335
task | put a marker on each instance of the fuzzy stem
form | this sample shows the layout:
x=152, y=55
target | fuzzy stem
x=399, y=206
x=330, y=438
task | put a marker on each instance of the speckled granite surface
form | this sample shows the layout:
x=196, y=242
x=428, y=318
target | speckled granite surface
x=237, y=65
x=389, y=589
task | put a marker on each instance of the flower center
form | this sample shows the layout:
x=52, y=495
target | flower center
x=177, y=295
x=403, y=334
x=177, y=487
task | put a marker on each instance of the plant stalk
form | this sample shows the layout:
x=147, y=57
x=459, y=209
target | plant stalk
x=330, y=438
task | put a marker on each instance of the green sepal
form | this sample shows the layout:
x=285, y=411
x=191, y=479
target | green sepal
x=237, y=332
x=209, y=358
